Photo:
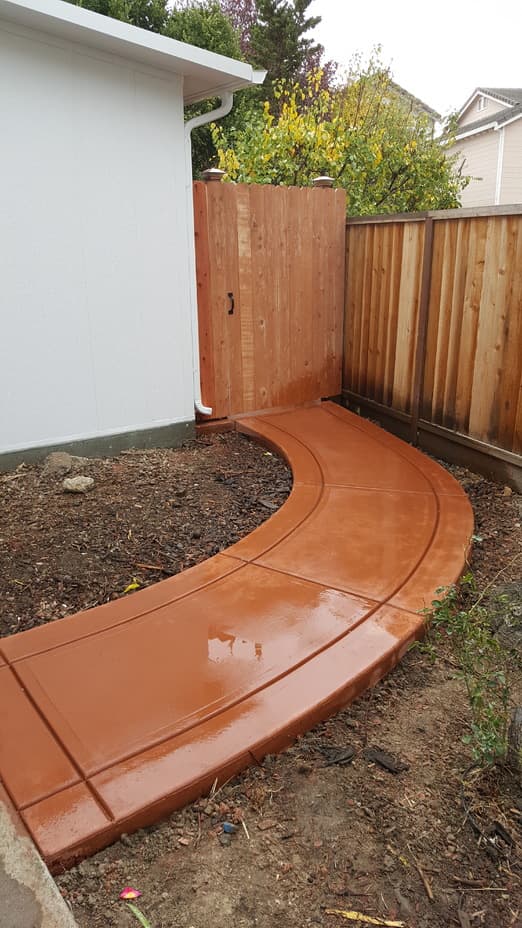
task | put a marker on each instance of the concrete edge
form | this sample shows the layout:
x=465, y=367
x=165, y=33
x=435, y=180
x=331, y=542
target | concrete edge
x=29, y=897
x=165, y=436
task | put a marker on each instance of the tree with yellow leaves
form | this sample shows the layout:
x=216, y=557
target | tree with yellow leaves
x=367, y=136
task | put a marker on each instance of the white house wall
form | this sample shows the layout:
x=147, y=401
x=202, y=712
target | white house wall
x=94, y=301
x=481, y=155
x=511, y=185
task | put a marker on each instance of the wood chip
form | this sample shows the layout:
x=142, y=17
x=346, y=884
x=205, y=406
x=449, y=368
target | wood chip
x=267, y=823
x=376, y=756
x=339, y=756
x=366, y=919
x=425, y=881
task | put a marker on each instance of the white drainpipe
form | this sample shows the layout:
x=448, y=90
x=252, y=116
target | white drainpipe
x=500, y=166
x=227, y=100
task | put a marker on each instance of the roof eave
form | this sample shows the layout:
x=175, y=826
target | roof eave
x=209, y=72
x=464, y=135
x=218, y=89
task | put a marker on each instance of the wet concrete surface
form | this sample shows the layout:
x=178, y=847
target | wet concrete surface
x=117, y=715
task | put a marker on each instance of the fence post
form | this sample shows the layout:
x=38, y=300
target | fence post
x=422, y=329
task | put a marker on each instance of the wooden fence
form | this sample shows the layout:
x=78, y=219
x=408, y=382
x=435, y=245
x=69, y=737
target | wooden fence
x=433, y=331
x=270, y=277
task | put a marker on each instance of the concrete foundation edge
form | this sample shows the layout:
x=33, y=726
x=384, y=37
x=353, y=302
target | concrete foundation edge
x=29, y=897
x=166, y=436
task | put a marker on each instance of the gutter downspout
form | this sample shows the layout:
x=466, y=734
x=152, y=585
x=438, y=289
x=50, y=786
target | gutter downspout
x=500, y=166
x=227, y=100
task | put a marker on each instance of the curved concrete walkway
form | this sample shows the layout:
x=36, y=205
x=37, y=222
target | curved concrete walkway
x=112, y=717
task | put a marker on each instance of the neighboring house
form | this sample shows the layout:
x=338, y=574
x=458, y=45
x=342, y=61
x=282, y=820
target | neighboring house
x=417, y=107
x=489, y=139
x=98, y=345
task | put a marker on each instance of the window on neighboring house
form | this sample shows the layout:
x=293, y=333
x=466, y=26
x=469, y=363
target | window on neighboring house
x=482, y=103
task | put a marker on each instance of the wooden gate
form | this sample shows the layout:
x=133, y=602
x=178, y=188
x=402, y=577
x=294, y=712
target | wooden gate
x=270, y=278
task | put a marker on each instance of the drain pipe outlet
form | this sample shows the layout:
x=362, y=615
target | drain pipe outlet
x=227, y=100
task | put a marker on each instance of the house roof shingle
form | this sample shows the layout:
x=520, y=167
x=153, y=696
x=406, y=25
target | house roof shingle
x=511, y=95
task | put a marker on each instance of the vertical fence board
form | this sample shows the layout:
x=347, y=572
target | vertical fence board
x=475, y=264
x=244, y=243
x=407, y=317
x=261, y=261
x=393, y=310
x=218, y=302
x=455, y=324
x=487, y=369
x=301, y=300
x=365, y=308
x=437, y=265
x=352, y=327
x=384, y=300
x=232, y=321
x=373, y=315
x=441, y=343
x=510, y=386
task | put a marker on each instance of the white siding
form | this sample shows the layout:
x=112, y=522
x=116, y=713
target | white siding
x=480, y=154
x=511, y=188
x=94, y=298
x=473, y=113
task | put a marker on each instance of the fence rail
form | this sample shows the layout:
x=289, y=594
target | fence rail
x=433, y=331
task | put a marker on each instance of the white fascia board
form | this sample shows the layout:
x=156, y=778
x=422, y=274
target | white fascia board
x=466, y=135
x=491, y=125
x=480, y=93
x=205, y=74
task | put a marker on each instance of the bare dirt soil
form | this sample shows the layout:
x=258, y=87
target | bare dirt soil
x=150, y=514
x=316, y=831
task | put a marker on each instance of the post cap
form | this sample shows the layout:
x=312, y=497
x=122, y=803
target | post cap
x=212, y=174
x=323, y=181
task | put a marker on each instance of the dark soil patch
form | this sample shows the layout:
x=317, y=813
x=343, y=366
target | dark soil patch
x=149, y=515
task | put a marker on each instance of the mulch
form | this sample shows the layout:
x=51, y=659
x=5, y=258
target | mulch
x=149, y=515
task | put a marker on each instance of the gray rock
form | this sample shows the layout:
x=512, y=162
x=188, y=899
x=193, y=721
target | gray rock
x=60, y=463
x=79, y=484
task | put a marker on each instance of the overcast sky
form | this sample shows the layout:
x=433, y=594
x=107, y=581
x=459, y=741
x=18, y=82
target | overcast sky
x=438, y=51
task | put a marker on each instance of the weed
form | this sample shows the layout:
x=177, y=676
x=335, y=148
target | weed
x=481, y=661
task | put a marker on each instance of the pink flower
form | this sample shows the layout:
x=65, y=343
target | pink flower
x=130, y=893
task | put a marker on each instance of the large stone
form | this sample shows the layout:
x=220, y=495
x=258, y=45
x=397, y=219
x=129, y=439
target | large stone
x=60, y=463
x=79, y=484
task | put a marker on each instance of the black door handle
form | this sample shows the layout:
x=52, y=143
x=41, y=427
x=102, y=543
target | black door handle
x=231, y=307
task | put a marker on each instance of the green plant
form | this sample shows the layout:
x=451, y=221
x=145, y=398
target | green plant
x=459, y=617
x=365, y=135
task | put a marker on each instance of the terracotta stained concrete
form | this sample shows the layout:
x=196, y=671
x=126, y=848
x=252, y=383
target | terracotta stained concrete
x=111, y=718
